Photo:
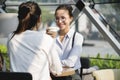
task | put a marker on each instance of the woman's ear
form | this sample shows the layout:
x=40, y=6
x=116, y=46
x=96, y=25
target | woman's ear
x=38, y=23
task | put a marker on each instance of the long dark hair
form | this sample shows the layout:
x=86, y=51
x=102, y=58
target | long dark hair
x=28, y=14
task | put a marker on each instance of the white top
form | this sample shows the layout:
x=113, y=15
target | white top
x=70, y=56
x=33, y=52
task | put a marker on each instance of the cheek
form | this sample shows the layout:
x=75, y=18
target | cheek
x=68, y=22
x=61, y=26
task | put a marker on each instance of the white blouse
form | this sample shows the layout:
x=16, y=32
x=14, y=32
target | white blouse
x=33, y=52
x=70, y=55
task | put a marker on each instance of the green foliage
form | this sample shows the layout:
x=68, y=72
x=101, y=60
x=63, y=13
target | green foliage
x=46, y=15
x=3, y=50
x=109, y=61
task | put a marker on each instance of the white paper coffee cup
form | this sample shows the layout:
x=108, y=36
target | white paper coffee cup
x=53, y=29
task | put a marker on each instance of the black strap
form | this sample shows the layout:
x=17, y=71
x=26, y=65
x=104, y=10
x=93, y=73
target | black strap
x=73, y=39
x=81, y=69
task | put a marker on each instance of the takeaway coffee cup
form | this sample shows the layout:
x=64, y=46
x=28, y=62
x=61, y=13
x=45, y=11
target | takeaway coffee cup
x=53, y=29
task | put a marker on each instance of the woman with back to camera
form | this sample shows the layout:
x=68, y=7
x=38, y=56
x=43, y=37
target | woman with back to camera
x=68, y=53
x=30, y=50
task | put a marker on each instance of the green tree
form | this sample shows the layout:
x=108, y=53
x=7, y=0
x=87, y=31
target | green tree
x=46, y=15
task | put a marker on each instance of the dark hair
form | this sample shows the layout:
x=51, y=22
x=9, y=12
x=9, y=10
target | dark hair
x=2, y=58
x=65, y=7
x=28, y=14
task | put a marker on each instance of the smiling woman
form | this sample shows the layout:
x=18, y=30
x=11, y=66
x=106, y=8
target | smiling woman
x=69, y=54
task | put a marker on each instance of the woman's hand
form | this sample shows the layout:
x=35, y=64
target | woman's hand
x=51, y=33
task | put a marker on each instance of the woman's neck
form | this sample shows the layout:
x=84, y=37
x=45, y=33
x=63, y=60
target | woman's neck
x=34, y=28
x=63, y=32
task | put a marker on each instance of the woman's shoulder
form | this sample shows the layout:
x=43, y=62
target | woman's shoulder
x=43, y=35
x=47, y=36
x=79, y=35
x=36, y=35
x=10, y=35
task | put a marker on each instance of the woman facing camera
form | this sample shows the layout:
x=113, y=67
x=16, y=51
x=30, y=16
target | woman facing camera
x=68, y=42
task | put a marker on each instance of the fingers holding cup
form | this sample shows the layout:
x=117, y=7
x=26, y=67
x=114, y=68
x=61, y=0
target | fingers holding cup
x=52, y=31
